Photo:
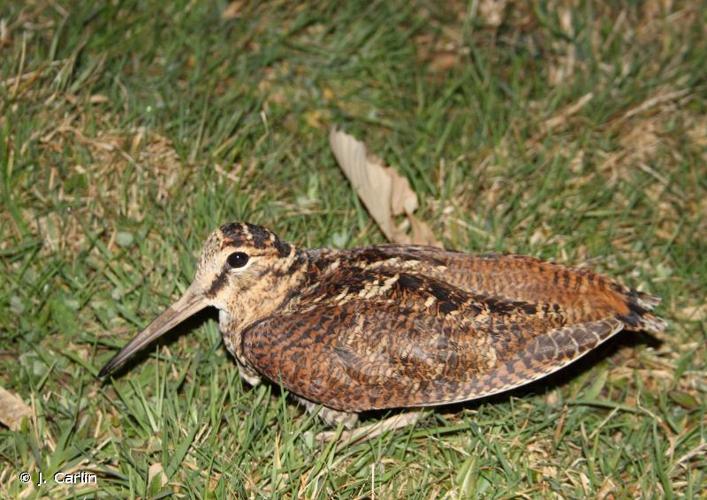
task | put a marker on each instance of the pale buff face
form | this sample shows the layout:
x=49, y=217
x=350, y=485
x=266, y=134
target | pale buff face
x=244, y=270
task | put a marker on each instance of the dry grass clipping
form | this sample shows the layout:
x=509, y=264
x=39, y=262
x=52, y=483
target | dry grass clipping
x=12, y=409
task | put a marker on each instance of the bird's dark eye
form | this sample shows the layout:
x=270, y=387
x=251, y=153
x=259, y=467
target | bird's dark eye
x=237, y=259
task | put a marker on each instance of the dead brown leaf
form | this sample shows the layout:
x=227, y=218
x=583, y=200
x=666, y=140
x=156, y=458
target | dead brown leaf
x=12, y=409
x=156, y=470
x=383, y=191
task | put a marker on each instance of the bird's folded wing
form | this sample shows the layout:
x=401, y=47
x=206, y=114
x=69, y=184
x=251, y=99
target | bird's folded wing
x=386, y=341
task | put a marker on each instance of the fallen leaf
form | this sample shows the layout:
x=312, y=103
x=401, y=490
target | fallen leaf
x=403, y=199
x=12, y=409
x=421, y=233
x=156, y=471
x=383, y=191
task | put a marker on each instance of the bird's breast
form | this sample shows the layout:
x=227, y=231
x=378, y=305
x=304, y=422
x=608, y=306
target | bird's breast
x=231, y=334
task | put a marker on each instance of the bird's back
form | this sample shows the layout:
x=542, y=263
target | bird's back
x=582, y=294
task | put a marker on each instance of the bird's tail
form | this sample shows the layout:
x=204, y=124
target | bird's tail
x=639, y=317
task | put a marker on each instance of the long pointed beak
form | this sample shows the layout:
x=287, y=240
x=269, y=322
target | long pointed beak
x=191, y=302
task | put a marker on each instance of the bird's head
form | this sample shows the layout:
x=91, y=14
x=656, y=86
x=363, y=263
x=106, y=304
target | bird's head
x=244, y=271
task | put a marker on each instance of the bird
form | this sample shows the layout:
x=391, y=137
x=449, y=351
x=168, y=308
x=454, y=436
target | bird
x=346, y=331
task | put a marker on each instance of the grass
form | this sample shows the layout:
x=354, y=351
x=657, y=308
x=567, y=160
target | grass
x=572, y=131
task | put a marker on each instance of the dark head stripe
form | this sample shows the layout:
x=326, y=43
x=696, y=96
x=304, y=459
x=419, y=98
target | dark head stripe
x=260, y=235
x=238, y=234
x=217, y=284
x=283, y=249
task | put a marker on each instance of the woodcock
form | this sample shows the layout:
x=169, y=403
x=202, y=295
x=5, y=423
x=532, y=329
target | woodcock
x=395, y=326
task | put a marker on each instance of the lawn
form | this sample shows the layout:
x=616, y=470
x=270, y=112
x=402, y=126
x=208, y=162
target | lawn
x=568, y=130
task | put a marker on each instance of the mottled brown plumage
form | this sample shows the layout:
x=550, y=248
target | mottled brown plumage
x=396, y=326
